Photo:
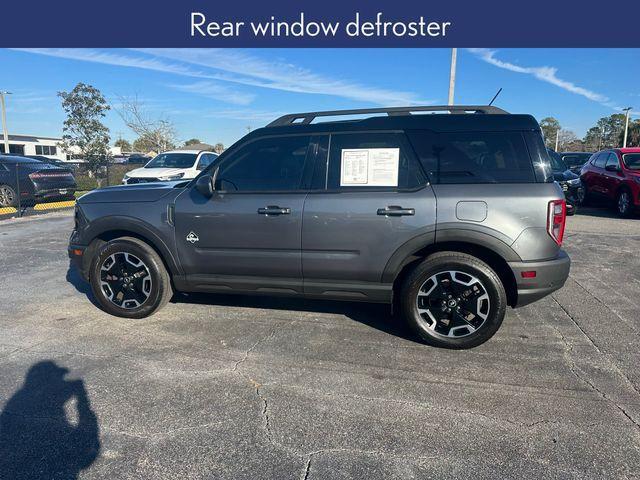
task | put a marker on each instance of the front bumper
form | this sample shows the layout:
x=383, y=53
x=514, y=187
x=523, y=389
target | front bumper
x=550, y=275
x=78, y=260
x=573, y=193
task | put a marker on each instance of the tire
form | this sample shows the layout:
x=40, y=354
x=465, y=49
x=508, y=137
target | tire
x=583, y=200
x=8, y=197
x=624, y=205
x=471, y=321
x=129, y=279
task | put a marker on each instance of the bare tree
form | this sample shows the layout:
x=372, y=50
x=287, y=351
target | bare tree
x=158, y=134
x=566, y=138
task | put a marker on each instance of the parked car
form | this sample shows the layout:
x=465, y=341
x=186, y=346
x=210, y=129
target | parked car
x=575, y=160
x=614, y=176
x=172, y=165
x=33, y=181
x=452, y=217
x=569, y=182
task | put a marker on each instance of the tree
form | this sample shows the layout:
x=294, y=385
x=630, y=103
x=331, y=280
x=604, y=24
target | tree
x=155, y=134
x=607, y=133
x=145, y=144
x=550, y=127
x=124, y=145
x=192, y=141
x=83, y=129
x=567, y=140
x=218, y=148
x=593, y=139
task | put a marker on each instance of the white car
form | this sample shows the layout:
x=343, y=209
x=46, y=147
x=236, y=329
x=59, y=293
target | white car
x=172, y=165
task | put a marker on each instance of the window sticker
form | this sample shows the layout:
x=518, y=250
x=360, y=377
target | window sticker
x=371, y=167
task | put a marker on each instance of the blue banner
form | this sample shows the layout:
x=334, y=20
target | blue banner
x=327, y=23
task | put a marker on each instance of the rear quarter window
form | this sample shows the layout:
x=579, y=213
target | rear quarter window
x=473, y=157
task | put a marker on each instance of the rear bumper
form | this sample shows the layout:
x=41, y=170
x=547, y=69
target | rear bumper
x=550, y=276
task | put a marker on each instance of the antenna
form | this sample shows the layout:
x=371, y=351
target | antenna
x=495, y=96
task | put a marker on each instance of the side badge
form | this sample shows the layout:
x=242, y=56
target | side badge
x=192, y=238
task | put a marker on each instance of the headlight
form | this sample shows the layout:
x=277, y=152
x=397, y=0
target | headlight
x=168, y=178
x=574, y=182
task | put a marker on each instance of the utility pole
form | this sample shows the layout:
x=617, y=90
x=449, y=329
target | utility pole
x=4, y=122
x=626, y=126
x=452, y=74
x=557, y=139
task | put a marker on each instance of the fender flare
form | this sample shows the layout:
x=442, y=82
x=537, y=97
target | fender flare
x=470, y=236
x=141, y=229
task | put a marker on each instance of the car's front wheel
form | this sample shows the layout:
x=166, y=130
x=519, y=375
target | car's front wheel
x=129, y=279
x=453, y=300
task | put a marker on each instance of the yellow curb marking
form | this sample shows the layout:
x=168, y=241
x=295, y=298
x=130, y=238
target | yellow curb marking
x=50, y=206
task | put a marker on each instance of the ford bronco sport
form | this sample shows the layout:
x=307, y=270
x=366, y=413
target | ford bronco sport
x=450, y=216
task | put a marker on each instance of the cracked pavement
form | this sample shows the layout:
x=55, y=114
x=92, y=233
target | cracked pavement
x=239, y=387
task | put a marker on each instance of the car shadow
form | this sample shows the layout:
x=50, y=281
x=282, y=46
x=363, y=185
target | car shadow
x=74, y=278
x=37, y=439
x=601, y=211
x=374, y=315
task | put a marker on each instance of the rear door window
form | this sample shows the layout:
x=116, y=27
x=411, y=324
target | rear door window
x=601, y=160
x=473, y=157
x=372, y=161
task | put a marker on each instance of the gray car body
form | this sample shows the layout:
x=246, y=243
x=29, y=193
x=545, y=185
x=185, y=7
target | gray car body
x=334, y=244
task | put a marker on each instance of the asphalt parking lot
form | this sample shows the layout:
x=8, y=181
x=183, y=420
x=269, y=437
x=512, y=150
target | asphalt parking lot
x=237, y=387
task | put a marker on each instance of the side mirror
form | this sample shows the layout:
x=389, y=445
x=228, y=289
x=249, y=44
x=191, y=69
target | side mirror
x=612, y=168
x=204, y=185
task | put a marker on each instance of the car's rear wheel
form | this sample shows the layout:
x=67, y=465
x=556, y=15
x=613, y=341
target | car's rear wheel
x=453, y=300
x=623, y=203
x=129, y=279
x=8, y=196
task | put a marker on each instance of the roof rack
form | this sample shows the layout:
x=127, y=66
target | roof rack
x=308, y=117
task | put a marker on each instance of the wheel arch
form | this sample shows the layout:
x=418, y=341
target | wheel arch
x=102, y=232
x=488, y=253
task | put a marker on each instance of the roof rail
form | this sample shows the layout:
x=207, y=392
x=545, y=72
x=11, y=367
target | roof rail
x=308, y=117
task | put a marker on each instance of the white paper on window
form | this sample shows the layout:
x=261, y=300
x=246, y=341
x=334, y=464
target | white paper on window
x=371, y=167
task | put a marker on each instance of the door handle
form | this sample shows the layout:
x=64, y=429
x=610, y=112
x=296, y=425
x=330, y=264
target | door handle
x=274, y=210
x=396, y=211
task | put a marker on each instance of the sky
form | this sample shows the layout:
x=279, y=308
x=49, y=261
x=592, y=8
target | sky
x=215, y=95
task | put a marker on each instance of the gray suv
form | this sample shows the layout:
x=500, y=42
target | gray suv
x=451, y=215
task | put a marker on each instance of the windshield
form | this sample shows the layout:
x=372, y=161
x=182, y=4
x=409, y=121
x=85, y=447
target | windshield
x=172, y=160
x=632, y=160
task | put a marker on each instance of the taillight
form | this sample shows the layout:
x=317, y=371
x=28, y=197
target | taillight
x=41, y=175
x=556, y=218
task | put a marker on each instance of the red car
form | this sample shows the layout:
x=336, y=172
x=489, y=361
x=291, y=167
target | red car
x=614, y=175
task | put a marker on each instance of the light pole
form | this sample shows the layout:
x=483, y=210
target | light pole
x=452, y=74
x=4, y=122
x=626, y=126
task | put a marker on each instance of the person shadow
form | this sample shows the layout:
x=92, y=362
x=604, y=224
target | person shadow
x=37, y=439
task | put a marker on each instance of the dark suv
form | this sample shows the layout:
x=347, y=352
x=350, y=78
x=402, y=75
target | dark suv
x=452, y=217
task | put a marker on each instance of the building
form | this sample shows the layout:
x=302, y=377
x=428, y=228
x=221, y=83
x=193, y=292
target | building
x=32, y=145
x=44, y=146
